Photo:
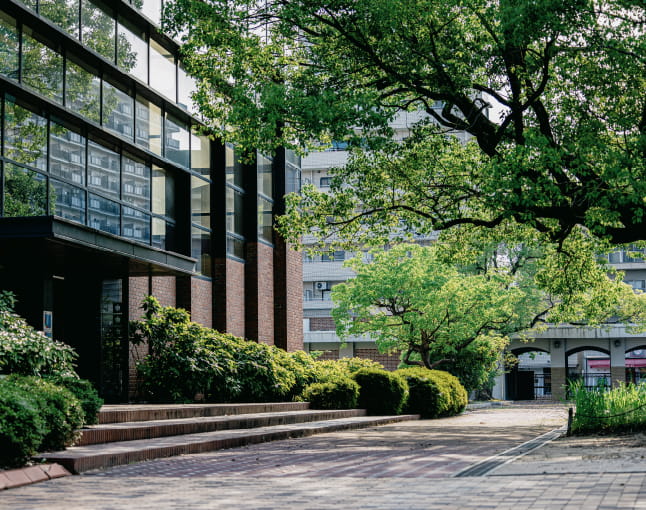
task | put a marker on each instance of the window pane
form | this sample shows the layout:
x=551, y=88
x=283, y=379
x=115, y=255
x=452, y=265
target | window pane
x=103, y=214
x=149, y=125
x=200, y=202
x=132, y=50
x=265, y=230
x=150, y=8
x=118, y=111
x=234, y=212
x=42, y=67
x=162, y=70
x=25, y=136
x=201, y=154
x=83, y=92
x=25, y=192
x=136, y=225
x=201, y=250
x=67, y=154
x=67, y=201
x=264, y=176
x=177, y=140
x=233, y=167
x=9, y=61
x=186, y=87
x=163, y=192
x=136, y=182
x=98, y=27
x=235, y=247
x=103, y=169
x=292, y=179
x=64, y=13
x=163, y=234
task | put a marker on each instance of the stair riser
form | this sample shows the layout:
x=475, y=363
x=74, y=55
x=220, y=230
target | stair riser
x=97, y=436
x=178, y=413
x=80, y=465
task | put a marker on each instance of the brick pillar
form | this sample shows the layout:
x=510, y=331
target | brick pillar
x=559, y=369
x=259, y=293
x=617, y=362
x=288, y=297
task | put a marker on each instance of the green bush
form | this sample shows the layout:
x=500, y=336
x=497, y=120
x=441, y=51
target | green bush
x=87, y=395
x=381, y=392
x=60, y=409
x=433, y=393
x=23, y=350
x=22, y=428
x=340, y=394
x=179, y=365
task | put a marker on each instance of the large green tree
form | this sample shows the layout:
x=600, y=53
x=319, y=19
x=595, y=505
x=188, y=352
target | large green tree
x=565, y=81
x=453, y=308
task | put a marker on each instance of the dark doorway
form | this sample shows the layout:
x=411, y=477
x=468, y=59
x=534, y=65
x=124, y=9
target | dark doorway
x=520, y=384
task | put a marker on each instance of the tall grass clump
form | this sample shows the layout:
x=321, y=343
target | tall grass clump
x=622, y=409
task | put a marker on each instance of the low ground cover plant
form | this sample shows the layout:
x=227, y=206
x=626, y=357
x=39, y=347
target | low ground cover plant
x=621, y=409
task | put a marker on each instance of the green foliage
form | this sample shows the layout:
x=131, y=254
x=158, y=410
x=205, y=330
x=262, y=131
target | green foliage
x=179, y=364
x=60, y=409
x=433, y=393
x=87, y=395
x=22, y=427
x=23, y=350
x=381, y=392
x=341, y=393
x=622, y=409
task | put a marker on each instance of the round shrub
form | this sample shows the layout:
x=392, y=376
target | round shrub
x=60, y=409
x=433, y=393
x=87, y=395
x=340, y=394
x=22, y=428
x=380, y=392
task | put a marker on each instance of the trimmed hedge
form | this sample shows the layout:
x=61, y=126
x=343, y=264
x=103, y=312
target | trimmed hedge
x=340, y=394
x=381, y=392
x=433, y=393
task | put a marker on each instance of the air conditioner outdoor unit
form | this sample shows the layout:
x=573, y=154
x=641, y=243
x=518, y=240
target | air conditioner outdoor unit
x=320, y=285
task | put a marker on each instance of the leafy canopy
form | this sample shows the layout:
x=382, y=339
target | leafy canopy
x=565, y=145
x=443, y=307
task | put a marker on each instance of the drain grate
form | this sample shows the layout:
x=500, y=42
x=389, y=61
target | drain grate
x=485, y=466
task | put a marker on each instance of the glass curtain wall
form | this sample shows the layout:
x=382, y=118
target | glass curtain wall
x=234, y=204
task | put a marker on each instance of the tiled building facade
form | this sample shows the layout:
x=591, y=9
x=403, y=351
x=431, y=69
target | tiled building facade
x=109, y=191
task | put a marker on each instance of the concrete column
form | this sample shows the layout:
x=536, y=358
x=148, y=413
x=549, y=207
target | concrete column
x=559, y=369
x=617, y=362
x=346, y=350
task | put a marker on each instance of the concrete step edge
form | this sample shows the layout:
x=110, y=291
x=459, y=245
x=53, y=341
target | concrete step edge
x=130, y=431
x=85, y=458
x=149, y=412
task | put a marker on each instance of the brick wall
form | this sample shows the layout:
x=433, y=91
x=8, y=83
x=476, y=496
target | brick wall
x=201, y=302
x=265, y=276
x=332, y=354
x=164, y=289
x=322, y=324
x=235, y=298
x=389, y=361
x=288, y=297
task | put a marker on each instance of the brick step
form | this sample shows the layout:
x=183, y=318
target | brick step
x=83, y=458
x=130, y=431
x=151, y=412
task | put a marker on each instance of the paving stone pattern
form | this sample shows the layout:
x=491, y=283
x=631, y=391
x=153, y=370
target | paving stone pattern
x=401, y=466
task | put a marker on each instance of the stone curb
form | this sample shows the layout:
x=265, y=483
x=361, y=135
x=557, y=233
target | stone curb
x=31, y=474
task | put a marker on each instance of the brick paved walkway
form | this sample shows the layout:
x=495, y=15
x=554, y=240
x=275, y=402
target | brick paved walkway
x=402, y=466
